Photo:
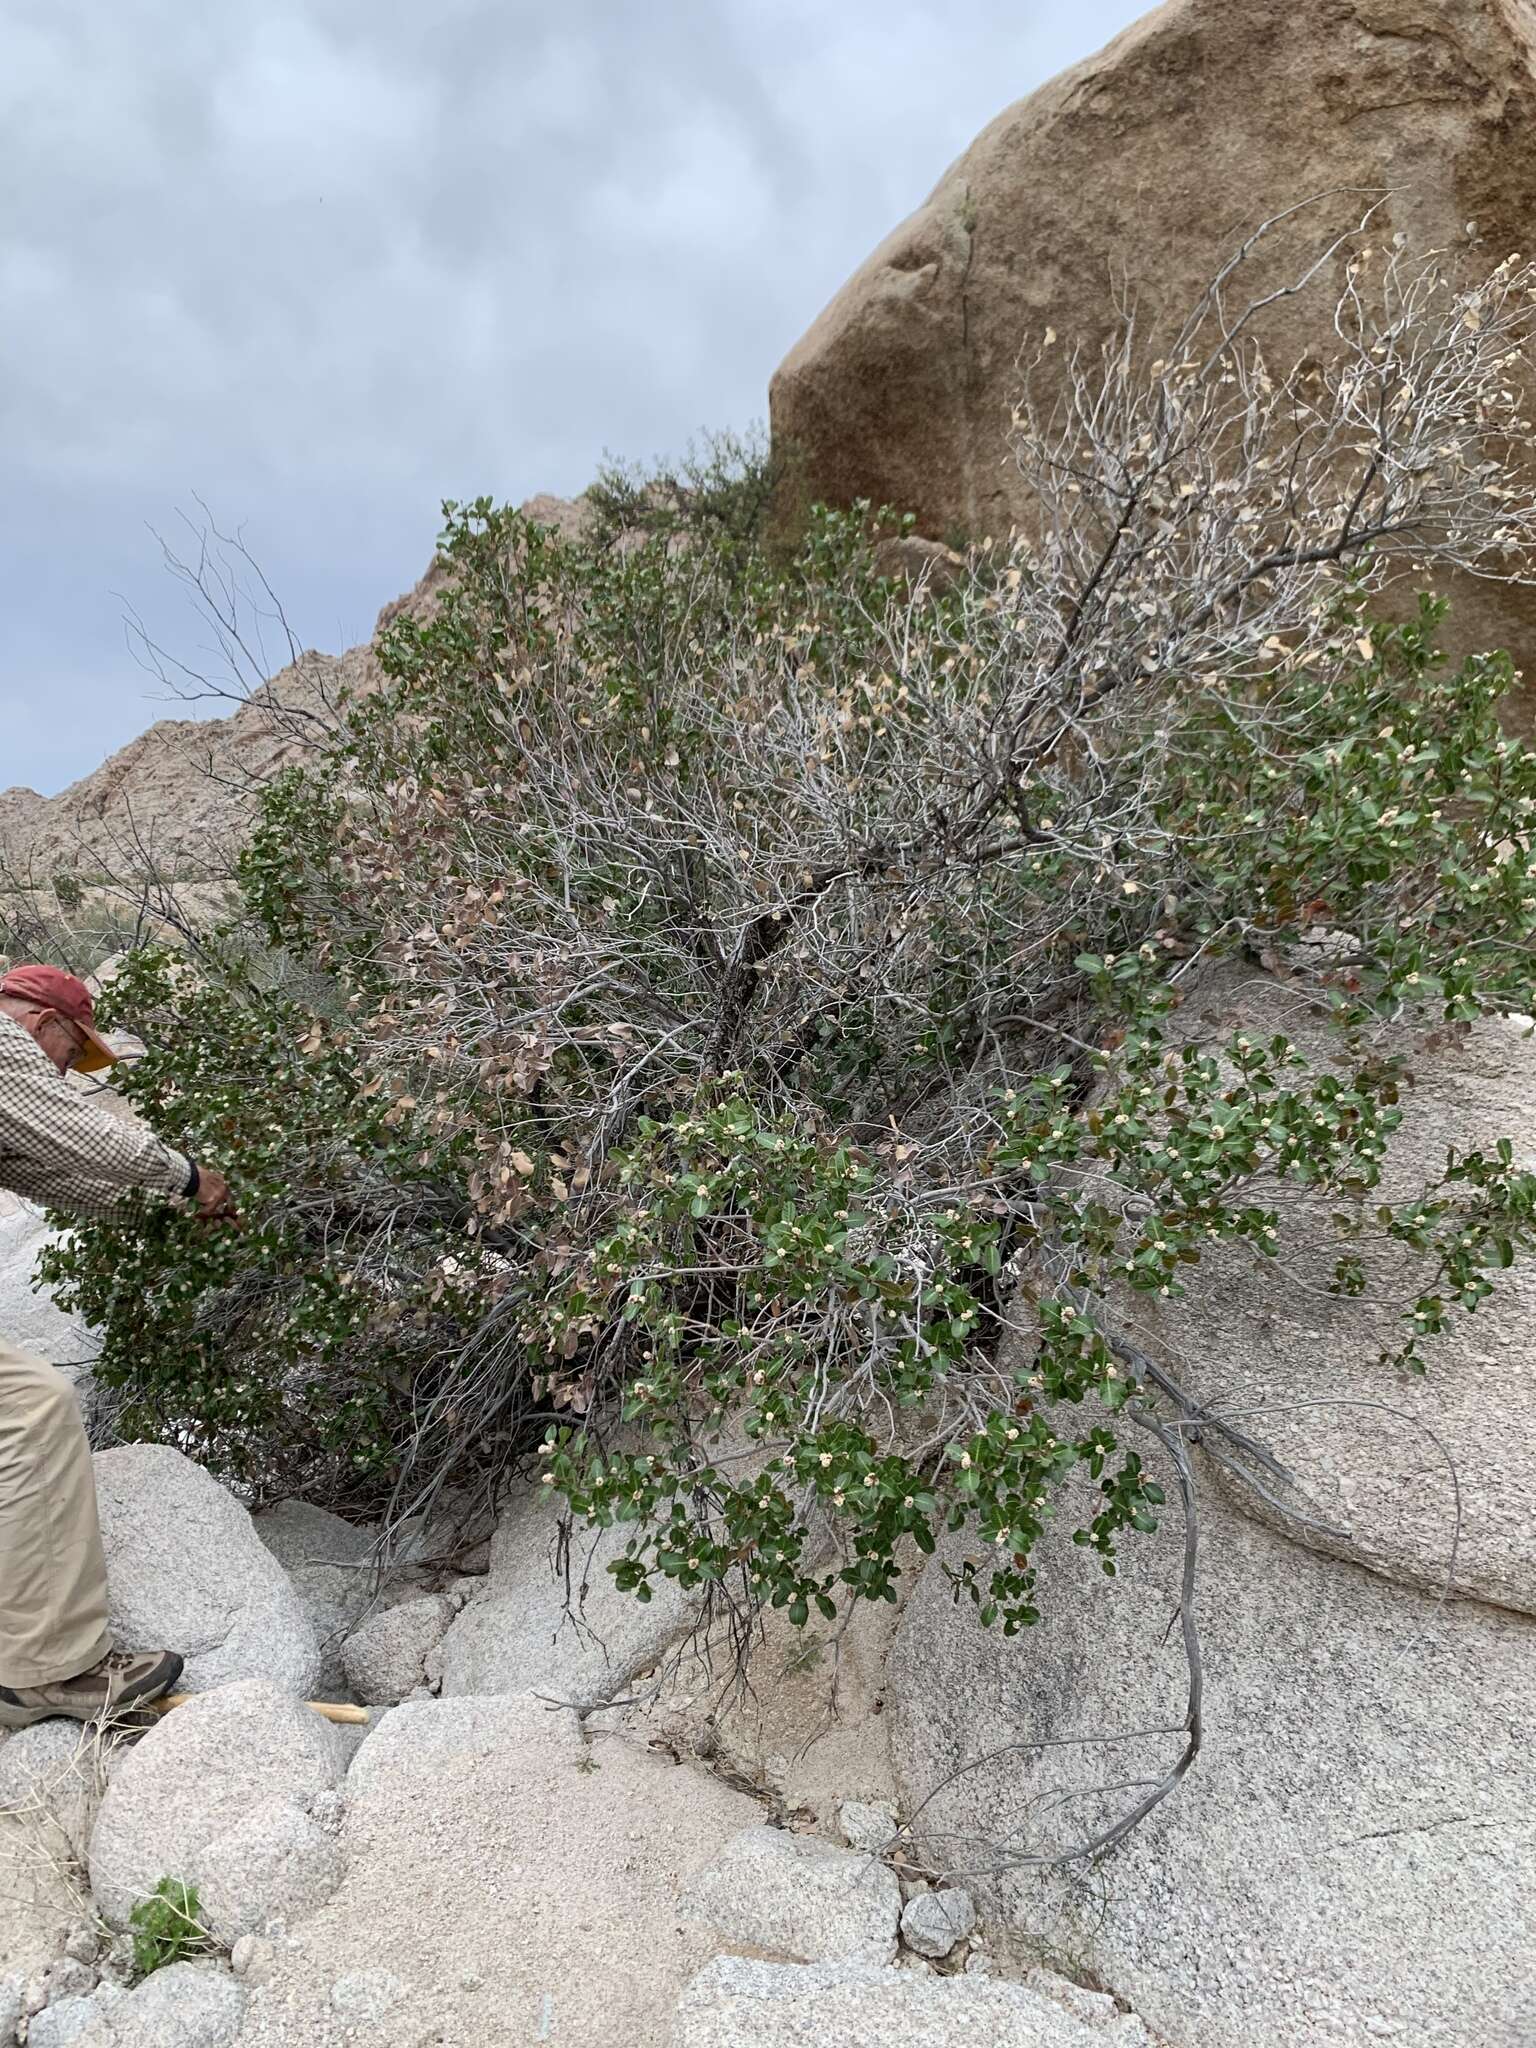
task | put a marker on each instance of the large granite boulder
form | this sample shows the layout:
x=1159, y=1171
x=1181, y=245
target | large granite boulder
x=1352, y=1857
x=798, y=1896
x=508, y=1882
x=235, y=1793
x=330, y=1563
x=185, y=1569
x=739, y=2003
x=538, y=1625
x=1130, y=179
x=1373, y=1450
x=28, y=1316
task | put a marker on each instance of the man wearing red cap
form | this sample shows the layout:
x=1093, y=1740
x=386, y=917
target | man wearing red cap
x=58, y=1146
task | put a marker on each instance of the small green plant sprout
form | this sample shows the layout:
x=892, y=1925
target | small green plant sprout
x=168, y=1927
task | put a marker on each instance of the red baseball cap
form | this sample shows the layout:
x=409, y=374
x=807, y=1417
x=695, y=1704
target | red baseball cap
x=52, y=989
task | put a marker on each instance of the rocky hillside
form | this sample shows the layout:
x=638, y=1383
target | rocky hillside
x=175, y=802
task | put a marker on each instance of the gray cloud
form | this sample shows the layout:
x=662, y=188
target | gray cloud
x=325, y=262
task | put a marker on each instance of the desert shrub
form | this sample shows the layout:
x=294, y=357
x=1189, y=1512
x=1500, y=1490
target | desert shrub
x=732, y=487
x=738, y=987
x=64, y=923
x=167, y=1927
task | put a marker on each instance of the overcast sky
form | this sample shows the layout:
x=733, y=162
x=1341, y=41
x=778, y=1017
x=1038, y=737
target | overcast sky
x=323, y=263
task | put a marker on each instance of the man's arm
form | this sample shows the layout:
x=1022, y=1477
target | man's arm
x=59, y=1147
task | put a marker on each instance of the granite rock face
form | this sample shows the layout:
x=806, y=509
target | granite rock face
x=1130, y=179
x=1352, y=1857
x=1372, y=1450
x=736, y=2003
x=517, y=1632
x=186, y=1569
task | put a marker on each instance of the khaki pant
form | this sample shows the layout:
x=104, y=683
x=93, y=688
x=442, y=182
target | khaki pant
x=53, y=1576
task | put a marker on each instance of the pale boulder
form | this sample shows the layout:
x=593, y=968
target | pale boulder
x=1372, y=1450
x=385, y=1659
x=183, y=2005
x=186, y=1570
x=206, y=1796
x=330, y=1564
x=799, y=1896
x=77, y=2022
x=509, y=1879
x=869, y=1825
x=1352, y=1856
x=933, y=1922
x=737, y=2003
x=531, y=1629
x=278, y=1863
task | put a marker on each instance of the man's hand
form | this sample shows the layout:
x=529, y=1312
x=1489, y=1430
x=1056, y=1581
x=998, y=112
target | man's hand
x=215, y=1204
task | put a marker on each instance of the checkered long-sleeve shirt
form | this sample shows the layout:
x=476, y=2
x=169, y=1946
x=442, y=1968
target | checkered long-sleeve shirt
x=59, y=1147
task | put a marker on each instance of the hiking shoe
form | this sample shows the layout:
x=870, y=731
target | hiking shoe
x=123, y=1678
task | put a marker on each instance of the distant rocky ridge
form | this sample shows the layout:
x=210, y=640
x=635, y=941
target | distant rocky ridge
x=176, y=802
